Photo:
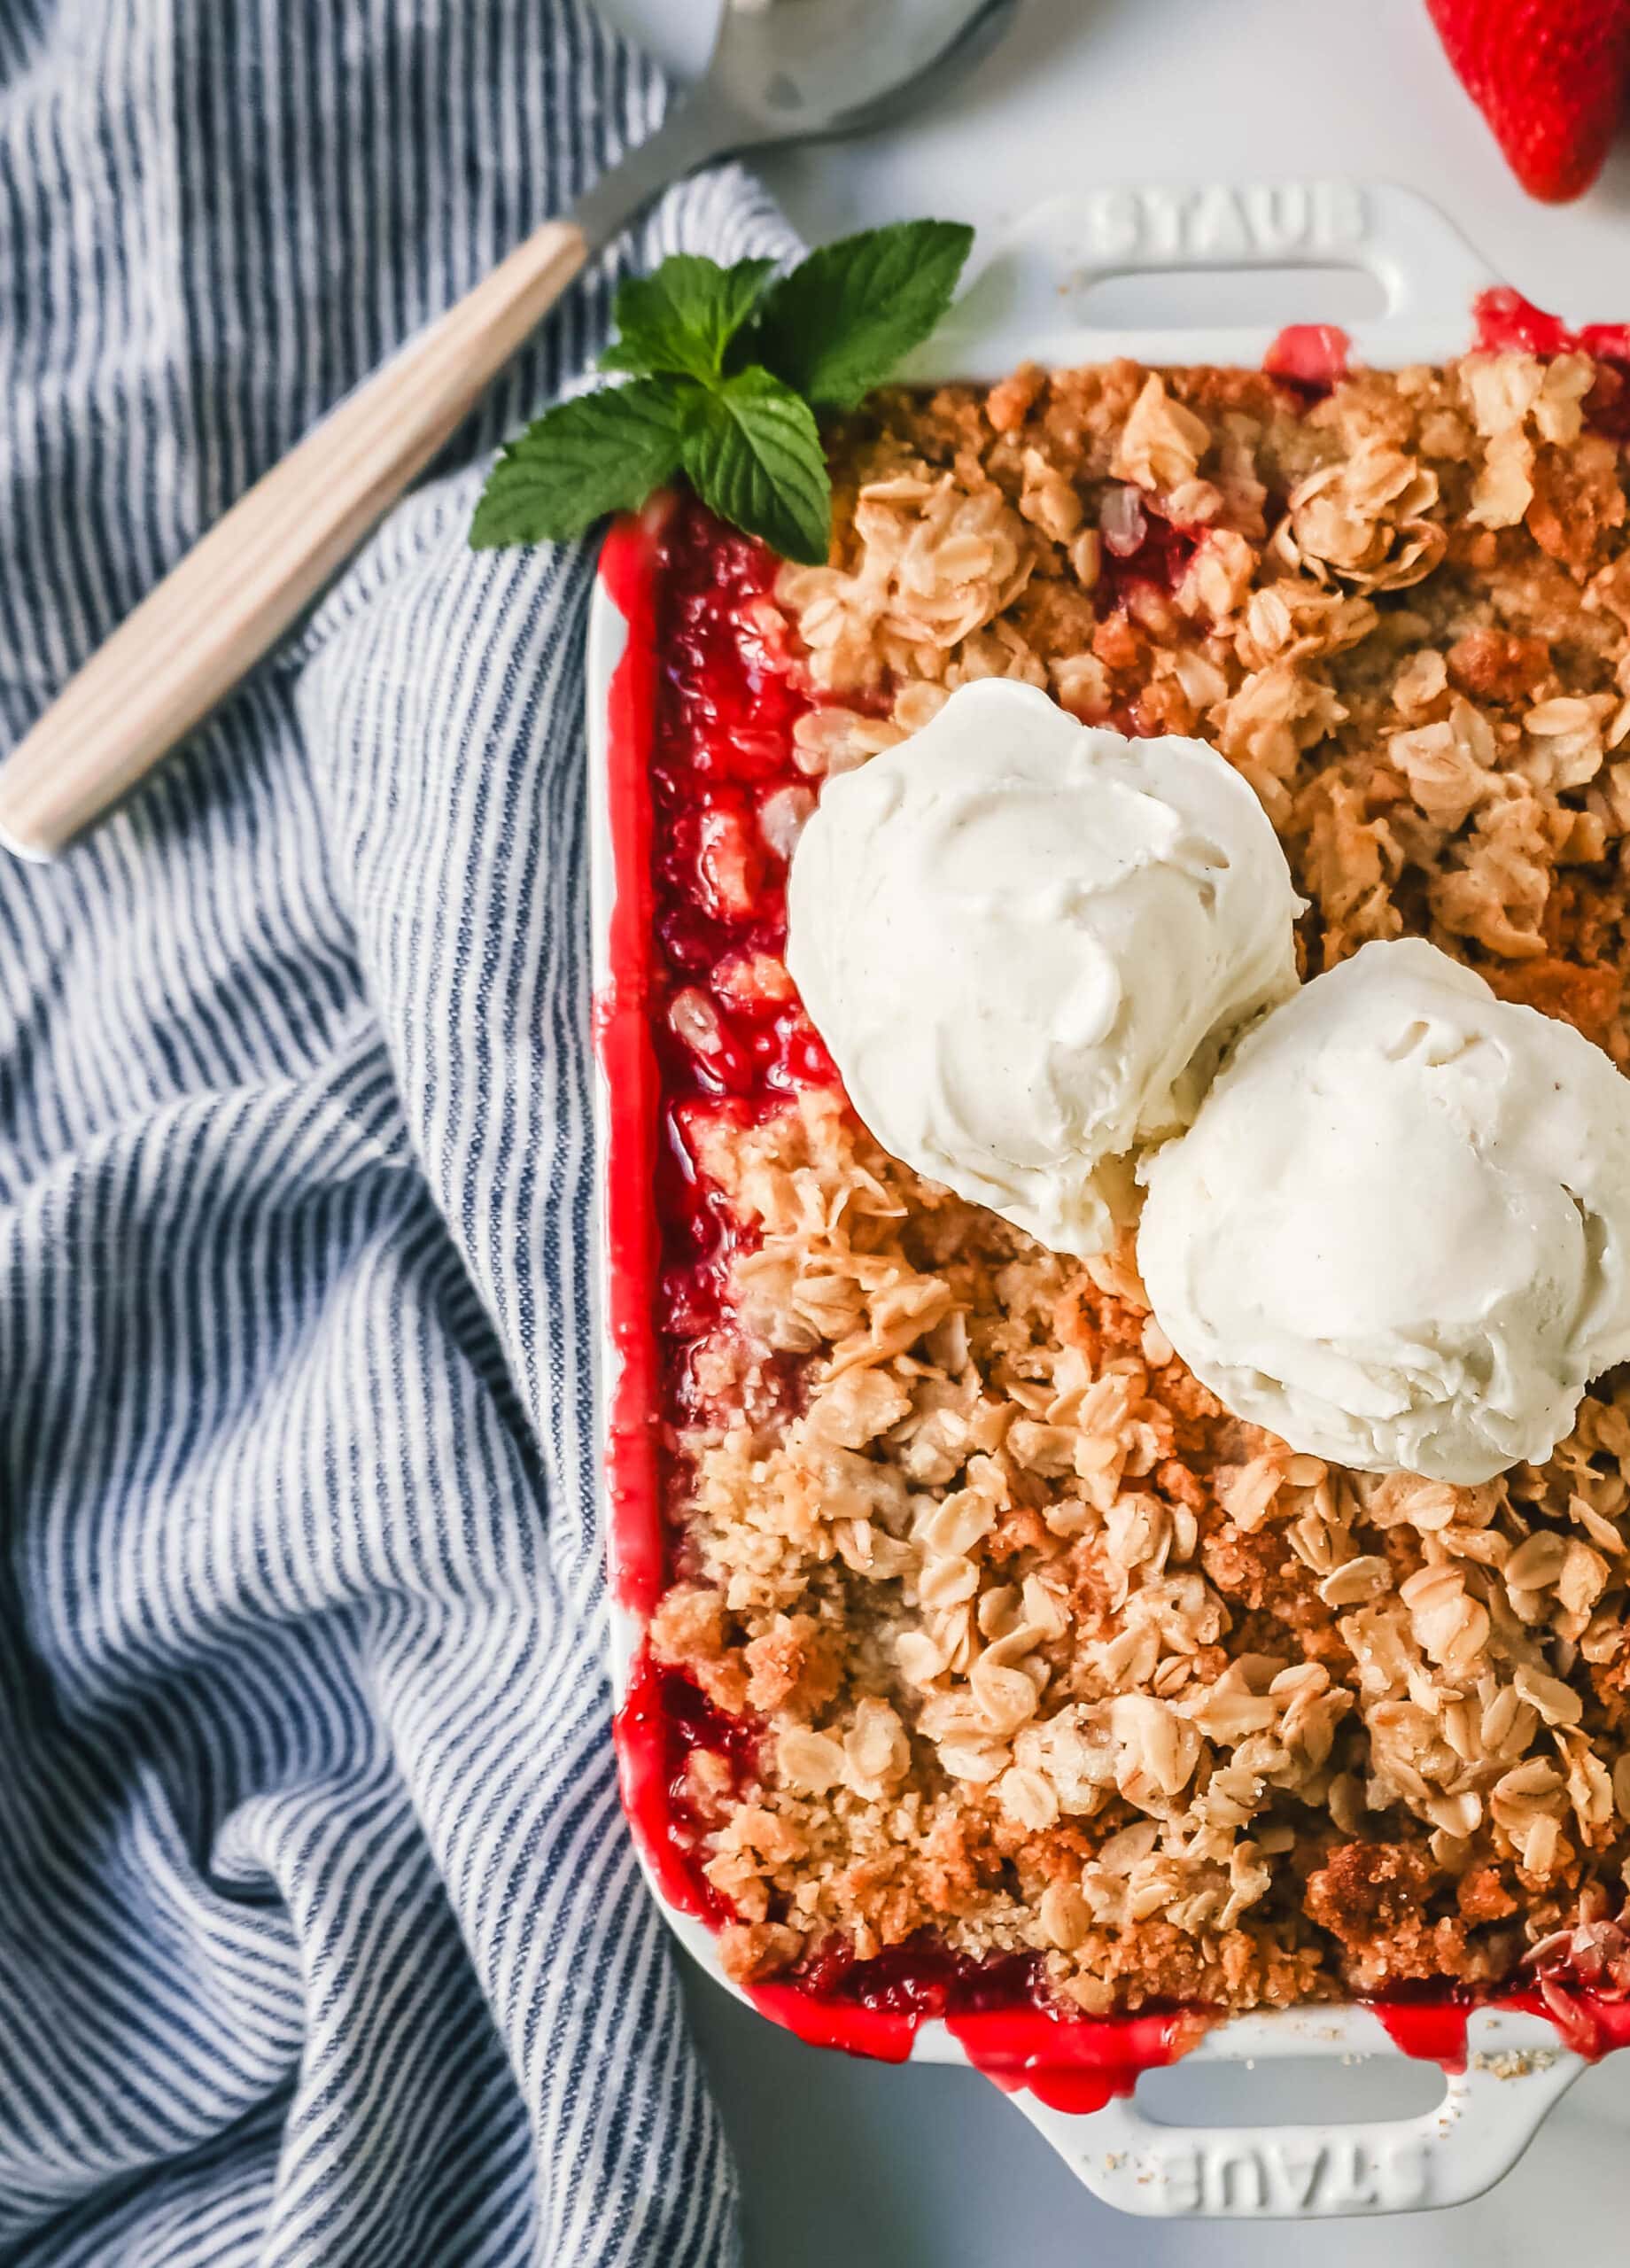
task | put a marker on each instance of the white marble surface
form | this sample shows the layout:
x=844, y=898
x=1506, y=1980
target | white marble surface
x=874, y=2168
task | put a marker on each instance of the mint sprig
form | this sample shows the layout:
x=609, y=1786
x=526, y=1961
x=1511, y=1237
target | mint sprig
x=681, y=320
x=837, y=325
x=753, y=453
x=603, y=452
x=726, y=370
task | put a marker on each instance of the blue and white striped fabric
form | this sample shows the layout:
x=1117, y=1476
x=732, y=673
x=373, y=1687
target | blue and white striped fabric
x=321, y=1940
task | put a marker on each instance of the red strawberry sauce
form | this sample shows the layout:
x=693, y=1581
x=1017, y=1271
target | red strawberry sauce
x=701, y=711
x=1505, y=322
x=1312, y=355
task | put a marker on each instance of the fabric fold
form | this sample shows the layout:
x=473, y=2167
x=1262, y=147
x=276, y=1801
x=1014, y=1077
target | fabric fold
x=321, y=1933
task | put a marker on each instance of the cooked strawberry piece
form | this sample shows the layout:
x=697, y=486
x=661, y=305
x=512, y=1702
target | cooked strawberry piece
x=731, y=864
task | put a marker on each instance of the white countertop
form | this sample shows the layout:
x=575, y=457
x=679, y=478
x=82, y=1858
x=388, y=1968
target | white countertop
x=875, y=2168
x=847, y=2165
x=1089, y=92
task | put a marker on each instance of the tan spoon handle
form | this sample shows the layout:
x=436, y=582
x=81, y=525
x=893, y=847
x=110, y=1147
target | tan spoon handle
x=241, y=586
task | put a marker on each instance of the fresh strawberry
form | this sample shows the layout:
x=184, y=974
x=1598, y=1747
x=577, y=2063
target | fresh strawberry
x=1550, y=78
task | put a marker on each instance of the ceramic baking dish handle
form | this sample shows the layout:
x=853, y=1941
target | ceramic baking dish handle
x=1026, y=300
x=1488, y=2114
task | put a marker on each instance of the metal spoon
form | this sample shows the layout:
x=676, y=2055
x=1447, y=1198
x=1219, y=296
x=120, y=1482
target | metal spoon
x=782, y=70
x=799, y=71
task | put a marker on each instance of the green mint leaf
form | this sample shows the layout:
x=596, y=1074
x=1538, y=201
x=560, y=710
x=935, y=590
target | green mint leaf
x=728, y=369
x=837, y=325
x=601, y=453
x=753, y=454
x=681, y=318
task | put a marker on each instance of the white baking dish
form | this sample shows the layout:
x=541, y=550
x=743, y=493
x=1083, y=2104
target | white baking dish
x=1022, y=303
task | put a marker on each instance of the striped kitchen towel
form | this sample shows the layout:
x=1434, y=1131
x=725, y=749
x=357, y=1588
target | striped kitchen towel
x=321, y=1940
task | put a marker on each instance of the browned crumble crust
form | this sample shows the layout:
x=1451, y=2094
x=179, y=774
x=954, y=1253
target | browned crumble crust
x=1056, y=1656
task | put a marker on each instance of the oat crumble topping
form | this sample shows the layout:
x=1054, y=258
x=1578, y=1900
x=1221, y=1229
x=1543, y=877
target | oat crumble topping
x=1055, y=1656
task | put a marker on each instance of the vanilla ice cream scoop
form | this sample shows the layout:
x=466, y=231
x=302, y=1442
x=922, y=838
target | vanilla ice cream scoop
x=1398, y=1232
x=1024, y=942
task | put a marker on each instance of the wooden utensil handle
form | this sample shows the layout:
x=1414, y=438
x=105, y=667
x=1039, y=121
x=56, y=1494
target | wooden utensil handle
x=241, y=586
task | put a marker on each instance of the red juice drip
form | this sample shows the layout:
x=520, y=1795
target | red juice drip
x=882, y=2033
x=1073, y=2064
x=1434, y=2026
x=997, y=2009
x=1311, y=355
x=1432, y=2030
x=1589, y=2024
